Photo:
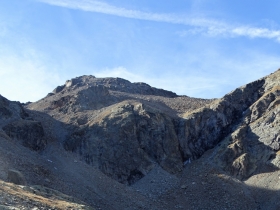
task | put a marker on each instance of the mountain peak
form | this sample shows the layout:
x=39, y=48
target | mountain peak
x=114, y=84
x=157, y=142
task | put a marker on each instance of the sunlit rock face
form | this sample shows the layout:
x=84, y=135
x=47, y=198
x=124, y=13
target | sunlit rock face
x=126, y=129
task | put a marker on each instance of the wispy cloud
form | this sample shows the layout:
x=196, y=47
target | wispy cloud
x=233, y=31
x=105, y=8
x=200, y=25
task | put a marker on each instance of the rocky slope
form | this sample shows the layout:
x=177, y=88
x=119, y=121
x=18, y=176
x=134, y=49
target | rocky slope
x=17, y=124
x=124, y=129
x=18, y=197
x=107, y=141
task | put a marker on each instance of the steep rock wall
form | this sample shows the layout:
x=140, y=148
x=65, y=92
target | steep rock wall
x=16, y=124
x=127, y=141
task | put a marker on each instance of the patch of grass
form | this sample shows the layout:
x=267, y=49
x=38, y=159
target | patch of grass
x=46, y=197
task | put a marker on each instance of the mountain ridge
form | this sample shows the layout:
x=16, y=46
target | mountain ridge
x=151, y=143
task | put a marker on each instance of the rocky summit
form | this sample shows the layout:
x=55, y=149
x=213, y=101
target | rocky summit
x=107, y=143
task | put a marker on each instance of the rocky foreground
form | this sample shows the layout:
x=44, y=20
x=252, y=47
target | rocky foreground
x=107, y=143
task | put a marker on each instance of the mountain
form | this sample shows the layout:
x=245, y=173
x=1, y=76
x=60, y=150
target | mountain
x=124, y=129
x=113, y=144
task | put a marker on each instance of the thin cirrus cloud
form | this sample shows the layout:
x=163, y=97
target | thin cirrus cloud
x=204, y=26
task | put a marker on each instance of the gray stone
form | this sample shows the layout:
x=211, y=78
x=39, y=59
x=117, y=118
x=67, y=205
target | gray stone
x=16, y=177
x=29, y=133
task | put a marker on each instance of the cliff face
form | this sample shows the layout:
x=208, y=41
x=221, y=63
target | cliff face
x=205, y=128
x=158, y=150
x=127, y=140
x=255, y=144
x=126, y=129
x=16, y=124
x=243, y=126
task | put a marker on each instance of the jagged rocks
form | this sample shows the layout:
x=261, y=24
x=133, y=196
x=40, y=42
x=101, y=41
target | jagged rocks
x=118, y=127
x=205, y=128
x=255, y=142
x=127, y=141
x=29, y=133
x=115, y=126
x=10, y=110
x=90, y=98
x=18, y=125
x=114, y=84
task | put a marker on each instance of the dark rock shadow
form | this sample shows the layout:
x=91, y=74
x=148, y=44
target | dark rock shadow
x=243, y=155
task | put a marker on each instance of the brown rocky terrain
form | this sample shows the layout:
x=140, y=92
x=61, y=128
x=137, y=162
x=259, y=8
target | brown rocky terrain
x=106, y=143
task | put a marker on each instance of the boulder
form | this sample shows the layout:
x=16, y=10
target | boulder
x=16, y=177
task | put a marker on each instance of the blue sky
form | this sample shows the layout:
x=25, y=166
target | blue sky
x=198, y=48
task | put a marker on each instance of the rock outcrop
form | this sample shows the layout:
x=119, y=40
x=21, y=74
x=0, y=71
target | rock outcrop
x=158, y=150
x=242, y=126
x=115, y=84
x=205, y=128
x=16, y=123
x=115, y=126
x=255, y=142
x=127, y=140
x=30, y=133
x=124, y=129
x=10, y=111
